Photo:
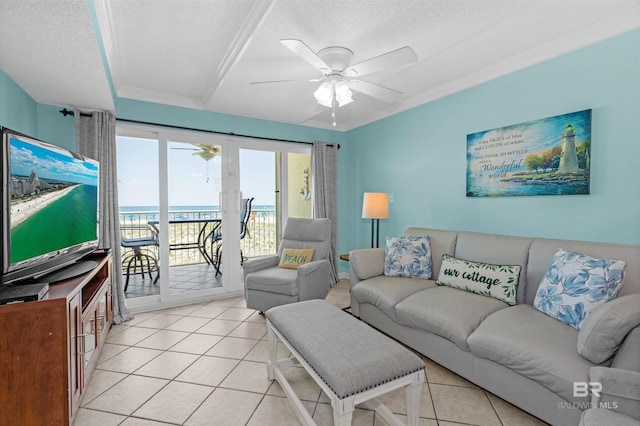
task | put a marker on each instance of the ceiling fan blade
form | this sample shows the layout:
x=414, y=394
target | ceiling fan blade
x=395, y=58
x=302, y=50
x=287, y=81
x=380, y=92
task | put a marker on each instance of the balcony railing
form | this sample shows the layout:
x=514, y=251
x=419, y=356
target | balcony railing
x=259, y=241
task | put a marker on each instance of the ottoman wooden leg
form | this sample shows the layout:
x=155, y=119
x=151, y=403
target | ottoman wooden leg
x=414, y=392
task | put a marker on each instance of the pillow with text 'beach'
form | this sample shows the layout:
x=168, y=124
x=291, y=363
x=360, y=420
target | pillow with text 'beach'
x=293, y=258
x=408, y=257
x=496, y=281
x=575, y=284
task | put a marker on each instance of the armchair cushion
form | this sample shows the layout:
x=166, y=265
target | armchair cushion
x=620, y=390
x=601, y=416
x=273, y=280
x=606, y=327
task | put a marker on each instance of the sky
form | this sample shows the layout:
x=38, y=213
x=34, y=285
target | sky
x=50, y=162
x=192, y=180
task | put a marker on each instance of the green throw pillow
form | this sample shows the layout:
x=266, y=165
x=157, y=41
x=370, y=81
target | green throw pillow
x=497, y=281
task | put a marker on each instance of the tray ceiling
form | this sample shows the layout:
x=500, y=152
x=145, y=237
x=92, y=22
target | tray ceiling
x=203, y=54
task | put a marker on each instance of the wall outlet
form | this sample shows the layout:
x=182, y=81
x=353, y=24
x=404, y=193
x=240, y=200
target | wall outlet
x=391, y=198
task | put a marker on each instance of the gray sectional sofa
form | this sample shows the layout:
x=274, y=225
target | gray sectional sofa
x=514, y=351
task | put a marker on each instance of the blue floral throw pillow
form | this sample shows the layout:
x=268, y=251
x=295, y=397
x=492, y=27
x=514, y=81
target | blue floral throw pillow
x=575, y=284
x=408, y=257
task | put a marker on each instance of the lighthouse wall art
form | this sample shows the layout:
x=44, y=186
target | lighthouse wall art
x=549, y=156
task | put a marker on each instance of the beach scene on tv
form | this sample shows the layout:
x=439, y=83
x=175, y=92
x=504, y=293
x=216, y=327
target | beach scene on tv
x=54, y=199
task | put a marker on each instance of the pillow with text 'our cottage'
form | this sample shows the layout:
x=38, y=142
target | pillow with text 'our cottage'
x=496, y=281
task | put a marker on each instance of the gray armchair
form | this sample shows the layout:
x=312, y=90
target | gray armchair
x=619, y=401
x=266, y=285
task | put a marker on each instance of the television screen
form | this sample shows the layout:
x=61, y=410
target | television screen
x=52, y=214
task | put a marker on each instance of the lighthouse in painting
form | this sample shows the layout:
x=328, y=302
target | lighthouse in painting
x=569, y=157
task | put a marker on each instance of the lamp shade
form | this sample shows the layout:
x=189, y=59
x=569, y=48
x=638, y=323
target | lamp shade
x=375, y=205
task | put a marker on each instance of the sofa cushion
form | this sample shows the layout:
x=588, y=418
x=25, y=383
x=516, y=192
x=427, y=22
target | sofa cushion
x=533, y=345
x=447, y=312
x=274, y=280
x=386, y=292
x=408, y=257
x=575, y=284
x=497, y=281
x=602, y=333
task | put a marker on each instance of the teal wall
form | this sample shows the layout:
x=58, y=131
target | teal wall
x=19, y=112
x=420, y=155
x=165, y=114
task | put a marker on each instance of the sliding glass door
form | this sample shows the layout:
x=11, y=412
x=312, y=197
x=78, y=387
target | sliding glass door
x=202, y=204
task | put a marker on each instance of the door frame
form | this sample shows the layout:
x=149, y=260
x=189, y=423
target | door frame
x=230, y=198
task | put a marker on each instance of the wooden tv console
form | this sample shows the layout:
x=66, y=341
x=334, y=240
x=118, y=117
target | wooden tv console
x=49, y=348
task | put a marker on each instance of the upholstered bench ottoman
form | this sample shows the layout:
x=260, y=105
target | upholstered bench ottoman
x=352, y=362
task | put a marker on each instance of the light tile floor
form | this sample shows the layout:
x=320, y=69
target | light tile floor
x=181, y=279
x=205, y=364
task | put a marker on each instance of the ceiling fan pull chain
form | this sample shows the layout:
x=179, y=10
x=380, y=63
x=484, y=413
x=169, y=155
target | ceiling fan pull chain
x=333, y=113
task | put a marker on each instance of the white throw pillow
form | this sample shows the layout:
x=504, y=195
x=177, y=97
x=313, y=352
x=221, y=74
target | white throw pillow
x=408, y=257
x=496, y=281
x=575, y=284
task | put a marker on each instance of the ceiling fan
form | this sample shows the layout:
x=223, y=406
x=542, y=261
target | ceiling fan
x=340, y=77
x=204, y=151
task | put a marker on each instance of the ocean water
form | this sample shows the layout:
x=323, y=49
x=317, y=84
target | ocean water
x=150, y=213
x=127, y=209
x=67, y=221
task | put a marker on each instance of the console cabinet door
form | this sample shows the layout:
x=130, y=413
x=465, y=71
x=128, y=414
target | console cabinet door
x=89, y=338
x=75, y=354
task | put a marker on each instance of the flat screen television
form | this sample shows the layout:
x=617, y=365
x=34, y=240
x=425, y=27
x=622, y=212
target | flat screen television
x=49, y=210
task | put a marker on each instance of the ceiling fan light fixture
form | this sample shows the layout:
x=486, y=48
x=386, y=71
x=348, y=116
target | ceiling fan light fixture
x=343, y=94
x=324, y=94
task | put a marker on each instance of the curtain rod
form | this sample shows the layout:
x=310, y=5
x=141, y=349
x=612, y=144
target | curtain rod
x=66, y=112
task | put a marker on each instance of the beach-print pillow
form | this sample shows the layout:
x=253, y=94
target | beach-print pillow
x=575, y=284
x=293, y=258
x=497, y=281
x=408, y=257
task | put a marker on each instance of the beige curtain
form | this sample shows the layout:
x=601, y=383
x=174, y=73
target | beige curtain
x=96, y=139
x=324, y=172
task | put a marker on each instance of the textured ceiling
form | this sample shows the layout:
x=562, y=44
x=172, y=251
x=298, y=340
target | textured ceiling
x=204, y=54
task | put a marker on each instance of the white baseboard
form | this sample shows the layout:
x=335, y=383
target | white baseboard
x=343, y=275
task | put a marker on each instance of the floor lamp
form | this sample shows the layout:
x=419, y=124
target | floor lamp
x=375, y=206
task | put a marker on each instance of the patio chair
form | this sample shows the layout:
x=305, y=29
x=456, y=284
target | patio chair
x=267, y=285
x=141, y=258
x=216, y=235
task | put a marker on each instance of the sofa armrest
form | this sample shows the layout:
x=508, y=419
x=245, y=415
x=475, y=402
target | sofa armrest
x=620, y=390
x=627, y=356
x=365, y=263
x=258, y=263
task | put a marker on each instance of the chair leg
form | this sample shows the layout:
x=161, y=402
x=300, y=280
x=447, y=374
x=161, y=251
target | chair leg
x=126, y=285
x=218, y=258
